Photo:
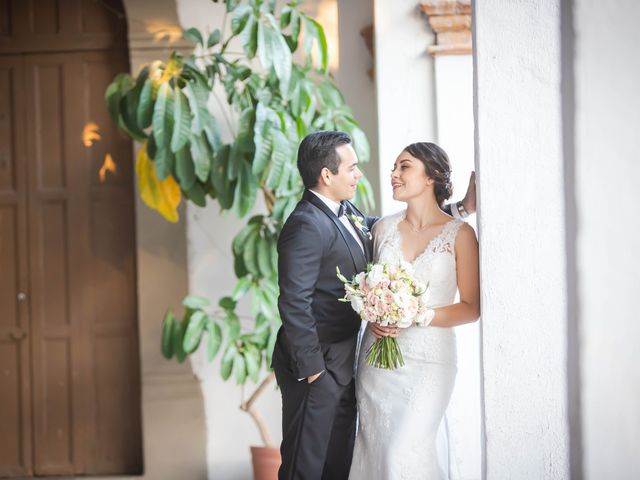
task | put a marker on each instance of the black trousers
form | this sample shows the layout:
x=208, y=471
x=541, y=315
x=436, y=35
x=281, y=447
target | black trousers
x=318, y=427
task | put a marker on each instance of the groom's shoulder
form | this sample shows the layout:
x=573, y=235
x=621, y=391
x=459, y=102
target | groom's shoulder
x=304, y=212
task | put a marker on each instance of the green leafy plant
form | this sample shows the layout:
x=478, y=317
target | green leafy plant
x=272, y=94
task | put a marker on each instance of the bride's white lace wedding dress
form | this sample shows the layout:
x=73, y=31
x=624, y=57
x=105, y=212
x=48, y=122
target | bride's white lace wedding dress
x=400, y=410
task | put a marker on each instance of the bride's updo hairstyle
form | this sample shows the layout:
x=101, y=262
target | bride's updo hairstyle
x=436, y=165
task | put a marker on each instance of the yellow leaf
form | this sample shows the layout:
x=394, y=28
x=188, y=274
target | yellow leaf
x=173, y=68
x=163, y=196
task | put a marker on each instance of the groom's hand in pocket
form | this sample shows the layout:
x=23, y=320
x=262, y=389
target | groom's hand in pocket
x=379, y=331
x=313, y=378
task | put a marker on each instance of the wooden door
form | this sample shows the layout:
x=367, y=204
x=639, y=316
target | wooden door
x=15, y=359
x=68, y=325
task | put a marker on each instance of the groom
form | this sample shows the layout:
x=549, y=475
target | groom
x=314, y=354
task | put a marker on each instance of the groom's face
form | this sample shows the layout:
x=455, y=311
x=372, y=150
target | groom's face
x=343, y=185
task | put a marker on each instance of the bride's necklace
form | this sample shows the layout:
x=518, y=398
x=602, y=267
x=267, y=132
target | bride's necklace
x=415, y=229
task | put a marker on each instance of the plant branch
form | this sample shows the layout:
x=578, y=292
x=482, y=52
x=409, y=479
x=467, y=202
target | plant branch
x=269, y=197
x=248, y=407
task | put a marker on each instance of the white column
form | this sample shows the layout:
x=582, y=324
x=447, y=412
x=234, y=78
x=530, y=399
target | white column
x=404, y=85
x=607, y=172
x=522, y=238
x=454, y=100
x=451, y=22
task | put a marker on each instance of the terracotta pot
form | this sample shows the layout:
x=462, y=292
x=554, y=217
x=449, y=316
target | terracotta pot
x=266, y=461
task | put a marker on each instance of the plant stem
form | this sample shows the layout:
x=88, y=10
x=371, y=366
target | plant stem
x=257, y=418
x=269, y=198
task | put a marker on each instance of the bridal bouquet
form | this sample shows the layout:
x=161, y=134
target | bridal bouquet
x=387, y=294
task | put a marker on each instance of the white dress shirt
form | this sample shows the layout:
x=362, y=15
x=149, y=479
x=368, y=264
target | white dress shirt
x=335, y=208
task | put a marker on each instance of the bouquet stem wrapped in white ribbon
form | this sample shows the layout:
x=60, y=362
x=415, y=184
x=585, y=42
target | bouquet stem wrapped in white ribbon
x=387, y=294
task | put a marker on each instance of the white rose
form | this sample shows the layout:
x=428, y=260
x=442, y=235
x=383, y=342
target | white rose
x=375, y=275
x=360, y=279
x=356, y=303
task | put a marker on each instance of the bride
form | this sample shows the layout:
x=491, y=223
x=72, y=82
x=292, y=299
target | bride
x=400, y=410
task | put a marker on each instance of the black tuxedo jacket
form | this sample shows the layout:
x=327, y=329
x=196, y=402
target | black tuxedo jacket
x=318, y=332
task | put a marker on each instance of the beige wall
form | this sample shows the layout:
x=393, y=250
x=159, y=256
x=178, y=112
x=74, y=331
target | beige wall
x=172, y=407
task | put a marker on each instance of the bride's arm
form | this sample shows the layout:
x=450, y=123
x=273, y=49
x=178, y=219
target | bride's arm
x=467, y=270
x=466, y=206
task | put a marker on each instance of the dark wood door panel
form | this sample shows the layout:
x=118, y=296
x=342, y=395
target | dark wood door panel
x=36, y=26
x=69, y=366
x=15, y=404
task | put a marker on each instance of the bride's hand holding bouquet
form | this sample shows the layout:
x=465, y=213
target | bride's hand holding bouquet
x=387, y=295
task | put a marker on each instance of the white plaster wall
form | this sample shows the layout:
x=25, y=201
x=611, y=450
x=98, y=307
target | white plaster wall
x=404, y=85
x=607, y=168
x=521, y=223
x=454, y=105
x=355, y=84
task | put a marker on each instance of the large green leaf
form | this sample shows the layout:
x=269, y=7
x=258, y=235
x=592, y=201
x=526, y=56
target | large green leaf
x=282, y=154
x=195, y=302
x=249, y=37
x=252, y=362
x=144, y=114
x=249, y=252
x=193, y=35
x=193, y=333
x=201, y=154
x=181, y=121
x=198, y=96
x=167, y=335
x=163, y=115
x=214, y=38
x=314, y=31
x=242, y=286
x=227, y=361
x=184, y=168
x=197, y=194
x=264, y=257
x=240, y=17
x=239, y=369
x=214, y=338
x=246, y=190
x=178, y=334
x=120, y=85
x=274, y=52
x=163, y=162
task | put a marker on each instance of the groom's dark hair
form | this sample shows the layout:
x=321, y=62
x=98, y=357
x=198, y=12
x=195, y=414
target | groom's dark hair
x=317, y=151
